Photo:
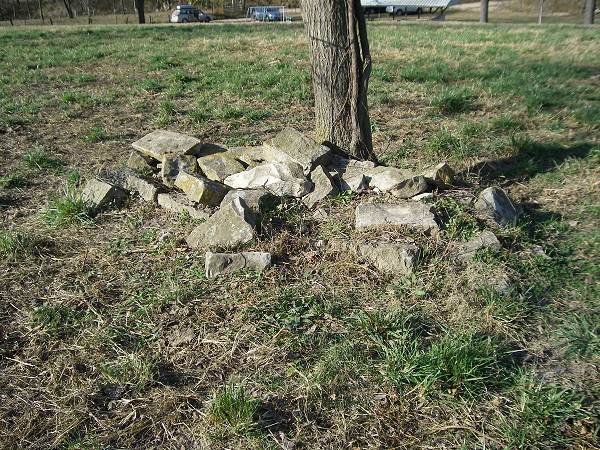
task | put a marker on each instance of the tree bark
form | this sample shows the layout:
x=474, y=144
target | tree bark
x=68, y=8
x=541, y=12
x=139, y=6
x=590, y=11
x=341, y=66
x=484, y=14
x=41, y=9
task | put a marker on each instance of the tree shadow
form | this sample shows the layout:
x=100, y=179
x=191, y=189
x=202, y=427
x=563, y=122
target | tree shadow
x=530, y=159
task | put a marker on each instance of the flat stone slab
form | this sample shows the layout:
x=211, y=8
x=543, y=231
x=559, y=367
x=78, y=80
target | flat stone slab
x=200, y=189
x=484, y=239
x=350, y=179
x=231, y=226
x=219, y=166
x=225, y=263
x=292, y=146
x=172, y=165
x=324, y=187
x=384, y=179
x=441, y=175
x=410, y=187
x=102, y=195
x=283, y=180
x=146, y=188
x=387, y=257
x=162, y=142
x=179, y=203
x=496, y=204
x=413, y=214
x=142, y=164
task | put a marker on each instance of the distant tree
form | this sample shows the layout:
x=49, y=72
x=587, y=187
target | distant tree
x=69, y=8
x=341, y=67
x=484, y=13
x=590, y=12
x=139, y=7
x=41, y=8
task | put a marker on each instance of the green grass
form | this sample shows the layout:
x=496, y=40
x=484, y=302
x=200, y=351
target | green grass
x=66, y=210
x=13, y=180
x=119, y=329
x=233, y=409
x=39, y=159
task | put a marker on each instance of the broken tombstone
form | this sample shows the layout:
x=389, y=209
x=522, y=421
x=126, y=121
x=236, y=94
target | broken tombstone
x=146, y=188
x=283, y=180
x=225, y=263
x=179, y=203
x=200, y=189
x=231, y=226
x=160, y=143
x=173, y=164
x=323, y=187
x=413, y=214
x=292, y=146
x=482, y=240
x=219, y=166
x=494, y=203
x=101, y=194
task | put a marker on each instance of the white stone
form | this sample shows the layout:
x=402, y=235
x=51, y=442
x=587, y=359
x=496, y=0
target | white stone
x=413, y=214
x=292, y=146
x=283, y=180
x=161, y=142
x=494, y=203
x=323, y=187
x=225, y=263
x=179, y=203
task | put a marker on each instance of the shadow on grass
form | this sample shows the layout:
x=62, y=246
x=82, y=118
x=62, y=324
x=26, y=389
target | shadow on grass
x=531, y=158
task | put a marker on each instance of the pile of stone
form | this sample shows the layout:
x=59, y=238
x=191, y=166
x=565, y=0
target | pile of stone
x=225, y=188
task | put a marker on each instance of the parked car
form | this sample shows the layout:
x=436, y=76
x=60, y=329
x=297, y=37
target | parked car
x=404, y=10
x=189, y=13
x=267, y=13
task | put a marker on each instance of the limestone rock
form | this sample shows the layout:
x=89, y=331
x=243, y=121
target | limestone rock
x=161, y=142
x=179, y=203
x=390, y=257
x=101, y=194
x=484, y=239
x=146, y=188
x=173, y=164
x=410, y=187
x=413, y=214
x=385, y=179
x=339, y=162
x=200, y=189
x=350, y=179
x=387, y=257
x=423, y=197
x=141, y=164
x=231, y=226
x=323, y=187
x=283, y=180
x=253, y=199
x=441, y=175
x=250, y=156
x=225, y=263
x=292, y=146
x=494, y=203
x=219, y=166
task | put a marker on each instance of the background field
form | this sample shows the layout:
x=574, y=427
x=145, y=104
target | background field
x=110, y=336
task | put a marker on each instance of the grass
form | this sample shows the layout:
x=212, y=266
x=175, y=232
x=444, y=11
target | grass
x=118, y=328
x=234, y=409
x=66, y=210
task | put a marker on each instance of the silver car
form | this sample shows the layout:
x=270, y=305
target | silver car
x=404, y=10
x=189, y=13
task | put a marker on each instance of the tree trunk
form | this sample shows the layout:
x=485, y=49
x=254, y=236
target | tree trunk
x=139, y=6
x=541, y=12
x=484, y=13
x=41, y=9
x=68, y=8
x=341, y=66
x=590, y=11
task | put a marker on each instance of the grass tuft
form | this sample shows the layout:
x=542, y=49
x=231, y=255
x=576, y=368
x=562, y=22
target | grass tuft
x=453, y=101
x=39, y=159
x=234, y=409
x=70, y=209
